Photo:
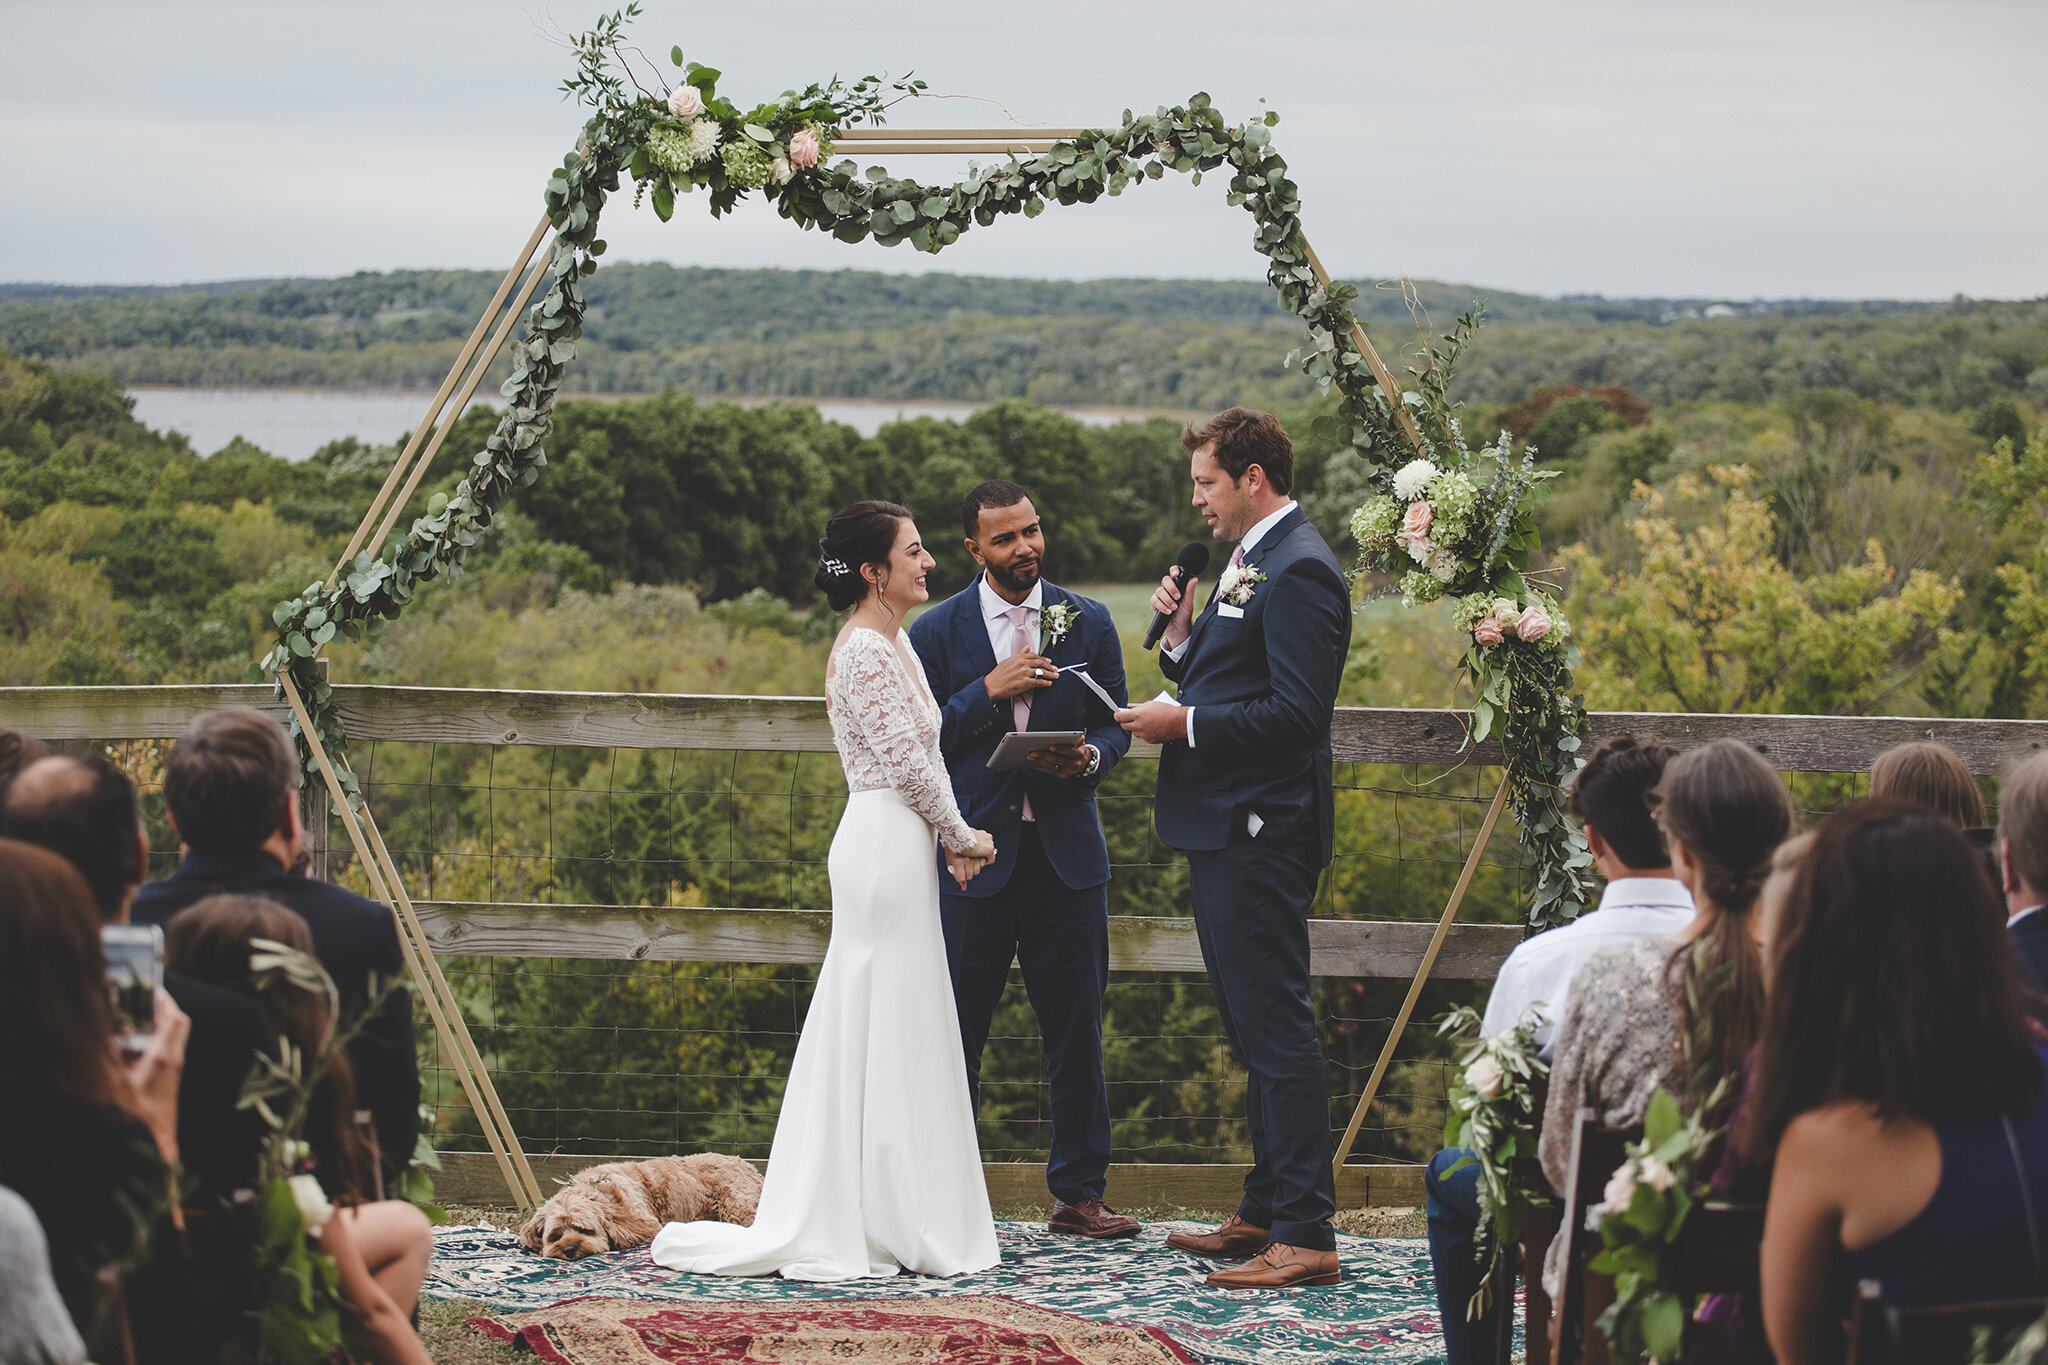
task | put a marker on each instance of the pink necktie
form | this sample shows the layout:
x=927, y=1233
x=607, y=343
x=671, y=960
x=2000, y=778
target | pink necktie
x=1237, y=556
x=1020, y=705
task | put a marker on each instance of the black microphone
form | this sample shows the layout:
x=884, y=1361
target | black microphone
x=1194, y=557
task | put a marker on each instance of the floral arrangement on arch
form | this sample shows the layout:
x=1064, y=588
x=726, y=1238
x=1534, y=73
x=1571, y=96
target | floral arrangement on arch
x=1493, y=1115
x=696, y=137
x=1459, y=524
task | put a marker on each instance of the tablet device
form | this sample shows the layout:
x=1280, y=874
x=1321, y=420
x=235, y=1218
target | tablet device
x=1019, y=743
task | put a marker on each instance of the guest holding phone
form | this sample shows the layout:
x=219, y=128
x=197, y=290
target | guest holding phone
x=90, y=1141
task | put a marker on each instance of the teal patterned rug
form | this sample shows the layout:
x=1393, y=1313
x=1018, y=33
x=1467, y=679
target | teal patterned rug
x=1385, y=1310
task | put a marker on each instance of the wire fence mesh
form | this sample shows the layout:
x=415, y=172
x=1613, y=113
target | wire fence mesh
x=605, y=1057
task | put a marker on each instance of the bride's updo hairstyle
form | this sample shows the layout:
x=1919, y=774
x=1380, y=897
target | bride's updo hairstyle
x=858, y=534
x=1730, y=810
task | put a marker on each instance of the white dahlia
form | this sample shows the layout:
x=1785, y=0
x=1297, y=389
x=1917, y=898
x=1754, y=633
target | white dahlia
x=1411, y=480
x=703, y=136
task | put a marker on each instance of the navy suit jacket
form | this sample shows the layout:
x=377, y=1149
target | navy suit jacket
x=1264, y=686
x=2030, y=937
x=952, y=642
x=353, y=937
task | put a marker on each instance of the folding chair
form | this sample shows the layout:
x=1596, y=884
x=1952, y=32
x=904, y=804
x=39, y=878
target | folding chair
x=1883, y=1335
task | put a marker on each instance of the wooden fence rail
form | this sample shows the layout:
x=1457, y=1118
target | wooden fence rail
x=644, y=720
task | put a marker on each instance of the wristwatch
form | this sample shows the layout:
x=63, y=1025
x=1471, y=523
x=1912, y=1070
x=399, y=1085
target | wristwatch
x=1094, y=760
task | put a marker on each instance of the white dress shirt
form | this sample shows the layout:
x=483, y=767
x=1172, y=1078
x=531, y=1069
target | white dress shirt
x=2019, y=915
x=1248, y=544
x=1000, y=631
x=1540, y=971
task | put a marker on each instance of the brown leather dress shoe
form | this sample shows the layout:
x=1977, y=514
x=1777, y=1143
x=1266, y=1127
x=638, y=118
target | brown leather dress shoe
x=1281, y=1266
x=1235, y=1239
x=1091, y=1218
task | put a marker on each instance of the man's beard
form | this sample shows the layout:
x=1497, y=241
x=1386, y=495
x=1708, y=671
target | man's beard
x=1005, y=578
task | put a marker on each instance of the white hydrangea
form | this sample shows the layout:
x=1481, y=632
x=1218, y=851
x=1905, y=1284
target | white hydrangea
x=1418, y=588
x=1375, y=522
x=1453, y=499
x=1411, y=480
x=1443, y=564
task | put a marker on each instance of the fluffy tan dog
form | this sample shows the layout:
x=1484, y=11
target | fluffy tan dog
x=623, y=1204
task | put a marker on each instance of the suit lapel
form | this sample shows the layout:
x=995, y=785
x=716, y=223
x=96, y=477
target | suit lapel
x=1048, y=597
x=971, y=632
x=1279, y=531
x=1271, y=540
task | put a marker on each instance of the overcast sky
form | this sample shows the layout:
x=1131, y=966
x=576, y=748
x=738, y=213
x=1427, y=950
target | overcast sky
x=1824, y=148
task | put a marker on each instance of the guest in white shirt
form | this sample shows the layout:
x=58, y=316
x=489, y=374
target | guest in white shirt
x=1610, y=798
x=1643, y=896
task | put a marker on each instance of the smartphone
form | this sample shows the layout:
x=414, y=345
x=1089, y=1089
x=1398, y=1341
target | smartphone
x=135, y=973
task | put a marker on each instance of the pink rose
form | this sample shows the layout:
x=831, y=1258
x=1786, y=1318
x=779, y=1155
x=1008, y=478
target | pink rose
x=685, y=101
x=803, y=149
x=1535, y=624
x=1416, y=523
x=1487, y=632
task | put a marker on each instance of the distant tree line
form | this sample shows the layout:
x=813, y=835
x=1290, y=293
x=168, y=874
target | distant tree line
x=1177, y=345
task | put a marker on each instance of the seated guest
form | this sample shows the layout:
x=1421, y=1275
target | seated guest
x=90, y=1143
x=35, y=1329
x=1610, y=797
x=211, y=940
x=1935, y=776
x=17, y=751
x=1898, y=1083
x=1931, y=775
x=84, y=810
x=1740, y=1176
x=230, y=788
x=2023, y=863
x=1723, y=811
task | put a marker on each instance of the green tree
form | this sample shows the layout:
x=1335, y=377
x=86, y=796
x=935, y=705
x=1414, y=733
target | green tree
x=1707, y=619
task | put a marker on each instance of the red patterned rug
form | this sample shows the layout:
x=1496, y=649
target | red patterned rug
x=969, y=1330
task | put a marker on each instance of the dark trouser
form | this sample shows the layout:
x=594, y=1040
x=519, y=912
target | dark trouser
x=1251, y=903
x=1060, y=937
x=1453, y=1249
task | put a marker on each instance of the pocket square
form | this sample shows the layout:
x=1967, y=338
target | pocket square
x=1225, y=609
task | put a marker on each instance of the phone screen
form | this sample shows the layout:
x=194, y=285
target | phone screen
x=135, y=971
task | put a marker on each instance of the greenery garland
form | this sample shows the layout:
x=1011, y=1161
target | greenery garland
x=689, y=137
x=1495, y=1118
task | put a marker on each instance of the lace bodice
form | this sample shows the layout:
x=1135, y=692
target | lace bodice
x=887, y=730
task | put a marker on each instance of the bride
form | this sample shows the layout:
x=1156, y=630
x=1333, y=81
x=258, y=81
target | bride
x=875, y=1166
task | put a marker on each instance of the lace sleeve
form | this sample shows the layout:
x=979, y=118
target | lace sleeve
x=880, y=707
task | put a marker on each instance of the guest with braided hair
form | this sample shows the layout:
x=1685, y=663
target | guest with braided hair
x=1622, y=1037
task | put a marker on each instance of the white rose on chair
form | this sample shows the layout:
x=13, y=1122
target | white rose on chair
x=1485, y=1078
x=1238, y=583
x=312, y=1202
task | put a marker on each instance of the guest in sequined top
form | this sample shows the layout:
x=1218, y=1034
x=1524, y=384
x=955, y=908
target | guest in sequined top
x=1724, y=811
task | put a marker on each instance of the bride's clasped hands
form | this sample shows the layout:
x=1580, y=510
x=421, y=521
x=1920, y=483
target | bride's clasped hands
x=963, y=866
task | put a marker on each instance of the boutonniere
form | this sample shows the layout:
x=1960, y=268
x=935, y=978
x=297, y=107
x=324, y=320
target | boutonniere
x=1237, y=584
x=1055, y=621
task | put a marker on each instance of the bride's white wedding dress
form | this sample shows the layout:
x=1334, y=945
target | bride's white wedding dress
x=875, y=1166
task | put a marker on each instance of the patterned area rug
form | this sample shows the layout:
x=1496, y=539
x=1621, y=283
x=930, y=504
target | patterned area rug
x=974, y=1330
x=1384, y=1311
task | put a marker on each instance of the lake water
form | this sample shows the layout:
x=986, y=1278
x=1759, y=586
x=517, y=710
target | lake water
x=296, y=422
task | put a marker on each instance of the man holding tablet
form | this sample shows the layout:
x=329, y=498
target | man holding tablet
x=997, y=655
